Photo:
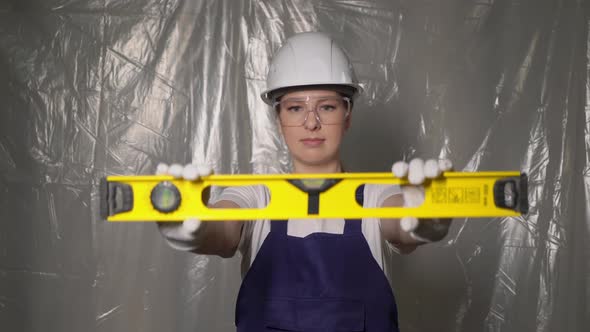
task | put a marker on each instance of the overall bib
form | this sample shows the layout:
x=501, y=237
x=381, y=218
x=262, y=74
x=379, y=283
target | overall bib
x=322, y=282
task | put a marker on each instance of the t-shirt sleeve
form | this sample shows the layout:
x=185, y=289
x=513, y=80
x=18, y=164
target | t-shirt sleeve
x=382, y=192
x=247, y=197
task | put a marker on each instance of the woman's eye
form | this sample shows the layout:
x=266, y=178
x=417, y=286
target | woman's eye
x=294, y=108
x=327, y=108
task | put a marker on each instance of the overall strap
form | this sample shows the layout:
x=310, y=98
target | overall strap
x=278, y=226
x=354, y=225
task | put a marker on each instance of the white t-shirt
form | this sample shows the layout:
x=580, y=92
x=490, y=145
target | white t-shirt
x=254, y=232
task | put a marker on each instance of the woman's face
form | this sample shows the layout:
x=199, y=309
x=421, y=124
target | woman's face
x=312, y=142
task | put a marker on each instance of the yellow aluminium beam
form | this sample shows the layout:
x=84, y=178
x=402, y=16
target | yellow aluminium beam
x=453, y=195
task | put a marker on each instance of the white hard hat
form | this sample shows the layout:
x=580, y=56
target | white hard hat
x=309, y=59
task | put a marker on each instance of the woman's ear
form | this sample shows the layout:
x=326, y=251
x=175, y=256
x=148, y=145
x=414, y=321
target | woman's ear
x=348, y=121
x=278, y=123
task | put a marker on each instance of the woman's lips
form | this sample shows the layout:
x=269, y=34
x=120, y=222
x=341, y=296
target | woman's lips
x=312, y=141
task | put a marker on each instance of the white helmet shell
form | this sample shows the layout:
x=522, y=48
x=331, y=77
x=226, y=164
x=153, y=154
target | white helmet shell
x=307, y=59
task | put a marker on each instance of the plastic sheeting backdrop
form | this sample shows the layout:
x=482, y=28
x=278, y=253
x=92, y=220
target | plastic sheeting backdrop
x=90, y=88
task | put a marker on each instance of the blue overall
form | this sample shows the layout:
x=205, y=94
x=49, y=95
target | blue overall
x=322, y=282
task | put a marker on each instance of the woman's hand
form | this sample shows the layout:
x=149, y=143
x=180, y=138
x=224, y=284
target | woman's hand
x=417, y=171
x=183, y=235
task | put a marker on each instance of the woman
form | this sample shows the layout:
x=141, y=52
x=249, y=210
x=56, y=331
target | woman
x=324, y=274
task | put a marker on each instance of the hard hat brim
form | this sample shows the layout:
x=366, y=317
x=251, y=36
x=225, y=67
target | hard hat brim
x=271, y=95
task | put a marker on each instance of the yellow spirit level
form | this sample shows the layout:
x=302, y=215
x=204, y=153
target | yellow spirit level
x=453, y=195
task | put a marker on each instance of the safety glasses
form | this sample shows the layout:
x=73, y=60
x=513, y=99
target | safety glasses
x=294, y=112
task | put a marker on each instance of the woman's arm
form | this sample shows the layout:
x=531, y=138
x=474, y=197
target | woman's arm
x=204, y=237
x=428, y=230
x=408, y=233
x=392, y=231
x=220, y=237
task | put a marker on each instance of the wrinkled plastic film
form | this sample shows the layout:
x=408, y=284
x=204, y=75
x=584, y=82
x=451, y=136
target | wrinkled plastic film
x=95, y=88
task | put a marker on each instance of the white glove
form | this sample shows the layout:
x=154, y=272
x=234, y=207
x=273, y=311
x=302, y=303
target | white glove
x=182, y=235
x=417, y=171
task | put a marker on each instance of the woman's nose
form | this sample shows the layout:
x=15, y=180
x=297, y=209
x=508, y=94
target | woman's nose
x=312, y=121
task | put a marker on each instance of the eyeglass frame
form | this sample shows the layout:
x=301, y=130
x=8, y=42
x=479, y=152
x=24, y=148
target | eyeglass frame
x=348, y=101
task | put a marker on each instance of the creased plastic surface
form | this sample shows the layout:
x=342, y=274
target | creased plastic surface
x=90, y=88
